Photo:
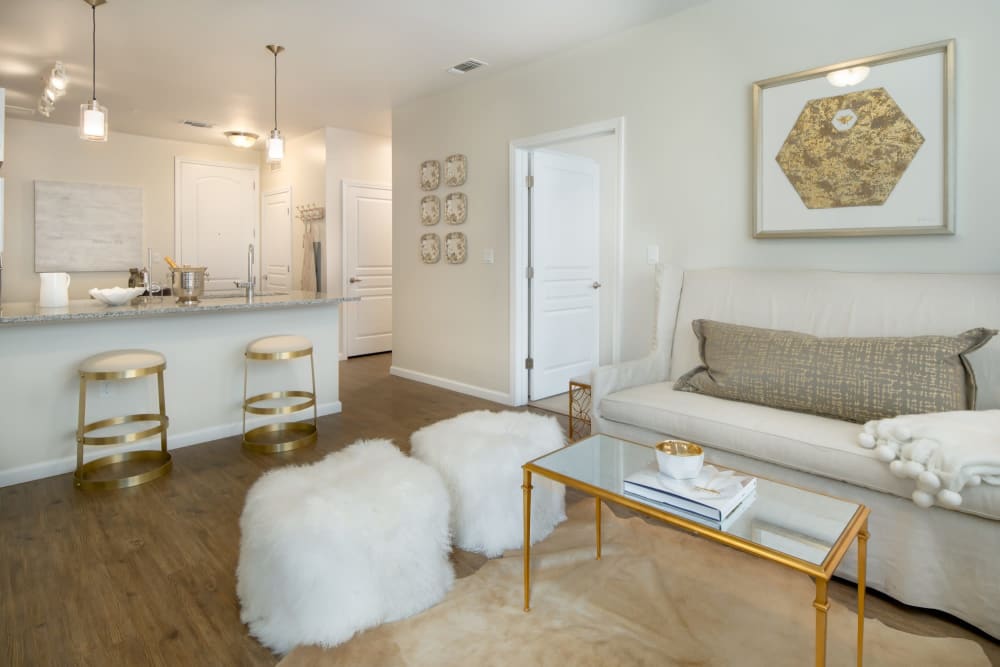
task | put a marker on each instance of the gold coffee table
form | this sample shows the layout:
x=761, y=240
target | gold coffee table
x=806, y=531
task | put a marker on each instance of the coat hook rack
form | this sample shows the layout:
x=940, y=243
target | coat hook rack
x=311, y=212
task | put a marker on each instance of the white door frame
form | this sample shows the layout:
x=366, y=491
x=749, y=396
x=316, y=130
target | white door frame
x=178, y=161
x=259, y=255
x=344, y=184
x=519, y=150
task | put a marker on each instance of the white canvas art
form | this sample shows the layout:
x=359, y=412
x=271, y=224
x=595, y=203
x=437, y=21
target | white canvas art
x=87, y=227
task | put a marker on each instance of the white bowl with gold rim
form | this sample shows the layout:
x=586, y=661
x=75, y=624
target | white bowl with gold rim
x=679, y=459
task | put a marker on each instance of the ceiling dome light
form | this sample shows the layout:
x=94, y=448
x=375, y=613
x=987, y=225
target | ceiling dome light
x=275, y=142
x=241, y=139
x=94, y=117
x=851, y=76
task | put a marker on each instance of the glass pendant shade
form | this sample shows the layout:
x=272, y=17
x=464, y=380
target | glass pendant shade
x=58, y=79
x=93, y=122
x=275, y=146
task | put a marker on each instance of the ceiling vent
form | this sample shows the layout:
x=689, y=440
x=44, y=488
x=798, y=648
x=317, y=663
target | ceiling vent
x=467, y=66
x=198, y=123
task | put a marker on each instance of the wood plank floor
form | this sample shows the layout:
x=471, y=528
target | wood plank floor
x=146, y=576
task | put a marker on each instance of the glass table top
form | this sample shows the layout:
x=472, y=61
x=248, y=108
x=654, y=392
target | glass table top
x=786, y=519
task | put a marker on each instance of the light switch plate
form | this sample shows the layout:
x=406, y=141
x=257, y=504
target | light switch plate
x=488, y=256
x=652, y=254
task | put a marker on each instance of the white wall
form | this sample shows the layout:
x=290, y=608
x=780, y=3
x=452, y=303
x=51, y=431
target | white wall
x=683, y=86
x=46, y=151
x=304, y=170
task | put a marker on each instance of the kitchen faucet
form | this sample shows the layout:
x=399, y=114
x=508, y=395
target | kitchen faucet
x=251, y=278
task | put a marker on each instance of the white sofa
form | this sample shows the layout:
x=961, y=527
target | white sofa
x=937, y=558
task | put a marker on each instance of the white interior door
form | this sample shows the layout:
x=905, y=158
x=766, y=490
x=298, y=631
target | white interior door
x=367, y=268
x=564, y=312
x=217, y=212
x=276, y=241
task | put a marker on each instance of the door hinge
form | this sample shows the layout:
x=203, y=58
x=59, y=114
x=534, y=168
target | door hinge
x=529, y=181
x=529, y=273
x=529, y=363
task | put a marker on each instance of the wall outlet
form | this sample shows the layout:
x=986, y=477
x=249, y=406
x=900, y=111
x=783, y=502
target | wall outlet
x=488, y=256
x=652, y=254
x=105, y=390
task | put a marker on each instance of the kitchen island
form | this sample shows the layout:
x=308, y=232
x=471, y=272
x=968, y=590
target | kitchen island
x=41, y=348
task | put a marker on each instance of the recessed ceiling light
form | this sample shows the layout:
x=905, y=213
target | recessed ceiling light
x=241, y=139
x=467, y=66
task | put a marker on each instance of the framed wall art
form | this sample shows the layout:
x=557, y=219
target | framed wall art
x=430, y=248
x=430, y=210
x=455, y=247
x=430, y=175
x=860, y=148
x=455, y=170
x=456, y=208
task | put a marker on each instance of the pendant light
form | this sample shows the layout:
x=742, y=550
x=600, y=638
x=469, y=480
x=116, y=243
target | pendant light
x=275, y=142
x=94, y=117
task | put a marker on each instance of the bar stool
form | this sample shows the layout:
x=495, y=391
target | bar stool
x=279, y=436
x=121, y=365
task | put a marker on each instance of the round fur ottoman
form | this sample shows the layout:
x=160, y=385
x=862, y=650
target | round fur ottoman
x=480, y=455
x=357, y=539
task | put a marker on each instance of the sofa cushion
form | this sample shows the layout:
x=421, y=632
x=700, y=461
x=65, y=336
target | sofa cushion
x=817, y=445
x=855, y=379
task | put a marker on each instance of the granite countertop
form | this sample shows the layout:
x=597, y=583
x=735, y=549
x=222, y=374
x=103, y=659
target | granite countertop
x=89, y=309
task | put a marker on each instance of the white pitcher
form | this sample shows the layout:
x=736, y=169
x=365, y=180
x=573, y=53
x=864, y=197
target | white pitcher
x=54, y=291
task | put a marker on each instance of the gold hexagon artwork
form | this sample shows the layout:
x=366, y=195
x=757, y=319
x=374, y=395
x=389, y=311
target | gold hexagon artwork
x=849, y=150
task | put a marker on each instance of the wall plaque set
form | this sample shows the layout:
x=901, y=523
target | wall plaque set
x=456, y=210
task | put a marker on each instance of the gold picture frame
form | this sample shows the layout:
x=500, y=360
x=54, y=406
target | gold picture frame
x=874, y=158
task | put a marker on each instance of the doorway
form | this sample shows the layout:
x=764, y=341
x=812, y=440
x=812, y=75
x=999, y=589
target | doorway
x=216, y=213
x=367, y=261
x=566, y=228
x=276, y=241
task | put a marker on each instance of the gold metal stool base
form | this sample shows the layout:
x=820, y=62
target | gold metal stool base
x=279, y=436
x=81, y=481
x=256, y=440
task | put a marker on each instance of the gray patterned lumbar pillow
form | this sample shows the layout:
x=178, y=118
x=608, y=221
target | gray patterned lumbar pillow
x=853, y=379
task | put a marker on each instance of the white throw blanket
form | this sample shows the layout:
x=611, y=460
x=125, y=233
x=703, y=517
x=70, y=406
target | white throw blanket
x=943, y=451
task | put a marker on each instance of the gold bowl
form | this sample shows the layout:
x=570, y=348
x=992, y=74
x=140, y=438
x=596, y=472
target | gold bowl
x=679, y=459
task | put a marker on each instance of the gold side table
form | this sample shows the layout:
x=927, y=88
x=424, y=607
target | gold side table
x=121, y=365
x=279, y=436
x=579, y=408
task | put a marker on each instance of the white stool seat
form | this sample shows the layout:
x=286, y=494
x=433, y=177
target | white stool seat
x=279, y=345
x=479, y=455
x=327, y=550
x=117, y=361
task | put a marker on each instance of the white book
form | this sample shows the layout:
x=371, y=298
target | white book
x=713, y=494
x=723, y=524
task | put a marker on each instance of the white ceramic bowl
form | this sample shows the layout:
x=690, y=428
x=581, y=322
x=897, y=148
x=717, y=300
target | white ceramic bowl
x=679, y=459
x=116, y=296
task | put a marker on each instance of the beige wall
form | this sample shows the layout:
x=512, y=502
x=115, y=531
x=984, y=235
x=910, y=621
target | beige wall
x=46, y=151
x=683, y=86
x=304, y=171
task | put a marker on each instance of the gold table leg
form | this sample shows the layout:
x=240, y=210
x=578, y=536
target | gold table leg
x=822, y=605
x=862, y=567
x=597, y=514
x=526, y=486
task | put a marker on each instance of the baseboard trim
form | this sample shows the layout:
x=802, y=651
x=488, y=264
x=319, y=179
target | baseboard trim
x=51, y=468
x=452, y=385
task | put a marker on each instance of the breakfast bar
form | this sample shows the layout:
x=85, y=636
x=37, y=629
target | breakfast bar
x=203, y=343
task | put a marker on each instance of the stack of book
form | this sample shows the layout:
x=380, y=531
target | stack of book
x=716, y=498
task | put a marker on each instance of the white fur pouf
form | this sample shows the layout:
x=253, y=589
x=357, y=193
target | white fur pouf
x=357, y=539
x=480, y=455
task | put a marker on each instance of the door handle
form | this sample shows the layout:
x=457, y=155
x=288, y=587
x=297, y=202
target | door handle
x=596, y=285
x=354, y=280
